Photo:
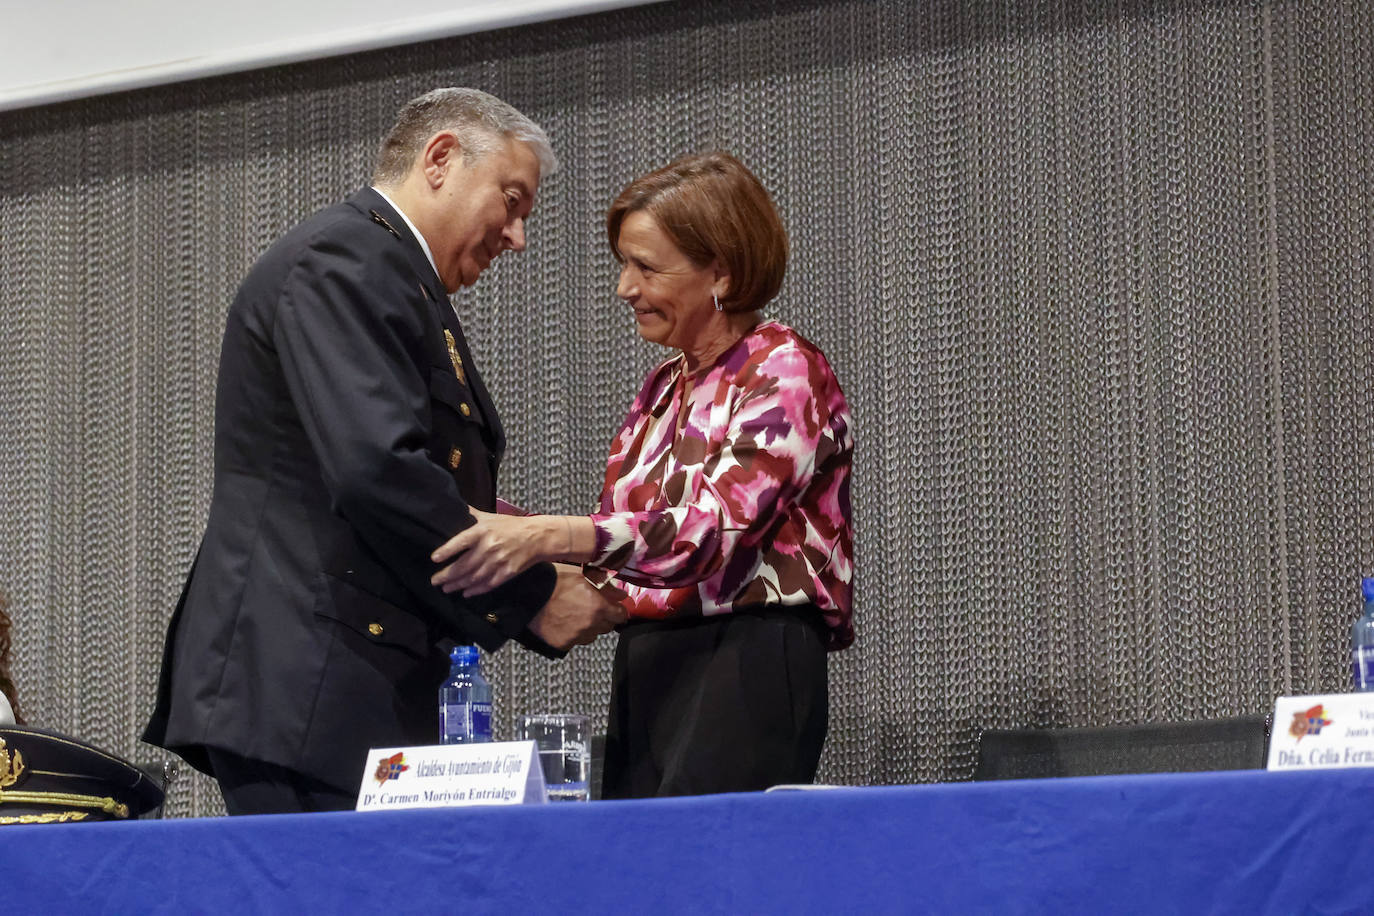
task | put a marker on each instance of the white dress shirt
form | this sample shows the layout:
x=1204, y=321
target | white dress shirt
x=424, y=245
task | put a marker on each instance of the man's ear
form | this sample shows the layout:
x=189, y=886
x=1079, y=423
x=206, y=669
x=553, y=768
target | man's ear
x=441, y=154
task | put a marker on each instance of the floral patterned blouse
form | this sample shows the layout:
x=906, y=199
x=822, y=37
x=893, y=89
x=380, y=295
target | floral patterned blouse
x=749, y=504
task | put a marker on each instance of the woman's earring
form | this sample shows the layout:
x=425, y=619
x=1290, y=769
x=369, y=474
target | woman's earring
x=716, y=301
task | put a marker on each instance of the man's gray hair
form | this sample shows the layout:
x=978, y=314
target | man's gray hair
x=480, y=121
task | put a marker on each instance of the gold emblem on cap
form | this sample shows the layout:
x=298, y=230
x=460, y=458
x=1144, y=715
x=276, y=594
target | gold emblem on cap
x=454, y=457
x=455, y=358
x=11, y=766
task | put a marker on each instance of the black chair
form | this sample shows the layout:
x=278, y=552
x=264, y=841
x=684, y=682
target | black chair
x=1174, y=747
x=598, y=763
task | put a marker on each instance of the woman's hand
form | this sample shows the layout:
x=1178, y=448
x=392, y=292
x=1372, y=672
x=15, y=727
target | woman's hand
x=490, y=552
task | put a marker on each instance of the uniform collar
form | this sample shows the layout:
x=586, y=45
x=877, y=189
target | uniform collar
x=419, y=236
x=372, y=202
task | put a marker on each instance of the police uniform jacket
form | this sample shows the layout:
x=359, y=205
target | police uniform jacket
x=352, y=431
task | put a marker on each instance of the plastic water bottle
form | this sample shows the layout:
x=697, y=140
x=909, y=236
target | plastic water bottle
x=465, y=700
x=1362, y=641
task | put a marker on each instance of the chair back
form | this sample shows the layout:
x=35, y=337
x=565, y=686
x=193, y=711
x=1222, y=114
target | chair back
x=1174, y=747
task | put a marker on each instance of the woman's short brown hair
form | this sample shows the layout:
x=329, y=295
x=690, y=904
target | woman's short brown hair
x=714, y=209
x=7, y=685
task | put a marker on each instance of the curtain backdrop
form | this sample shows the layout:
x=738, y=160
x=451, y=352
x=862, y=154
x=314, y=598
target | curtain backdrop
x=1095, y=277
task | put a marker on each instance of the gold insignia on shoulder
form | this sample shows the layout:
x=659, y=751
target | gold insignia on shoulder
x=454, y=357
x=381, y=221
x=11, y=766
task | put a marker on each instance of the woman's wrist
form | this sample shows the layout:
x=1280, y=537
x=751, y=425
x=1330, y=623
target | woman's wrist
x=568, y=538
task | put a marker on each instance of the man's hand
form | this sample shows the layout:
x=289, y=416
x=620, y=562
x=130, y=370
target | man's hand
x=576, y=613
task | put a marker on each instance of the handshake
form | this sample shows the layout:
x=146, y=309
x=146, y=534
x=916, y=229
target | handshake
x=576, y=613
x=500, y=545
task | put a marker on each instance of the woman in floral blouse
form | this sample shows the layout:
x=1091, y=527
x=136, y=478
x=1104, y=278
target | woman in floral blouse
x=724, y=524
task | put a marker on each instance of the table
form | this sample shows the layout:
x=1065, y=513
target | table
x=1238, y=842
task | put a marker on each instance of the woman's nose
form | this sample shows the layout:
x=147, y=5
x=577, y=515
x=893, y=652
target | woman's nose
x=625, y=287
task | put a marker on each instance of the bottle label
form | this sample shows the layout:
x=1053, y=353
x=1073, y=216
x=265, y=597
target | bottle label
x=1362, y=667
x=481, y=721
x=466, y=723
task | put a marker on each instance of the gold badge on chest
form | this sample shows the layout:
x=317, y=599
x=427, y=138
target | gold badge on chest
x=454, y=357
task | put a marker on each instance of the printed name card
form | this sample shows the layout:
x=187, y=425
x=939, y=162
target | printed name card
x=445, y=775
x=1321, y=732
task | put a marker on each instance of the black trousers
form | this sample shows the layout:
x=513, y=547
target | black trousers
x=254, y=787
x=732, y=703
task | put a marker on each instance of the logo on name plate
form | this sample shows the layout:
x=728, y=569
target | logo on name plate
x=1309, y=722
x=390, y=768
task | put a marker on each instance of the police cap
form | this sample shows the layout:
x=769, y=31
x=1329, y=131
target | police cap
x=47, y=777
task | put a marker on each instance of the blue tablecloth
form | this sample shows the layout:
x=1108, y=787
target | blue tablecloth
x=1238, y=842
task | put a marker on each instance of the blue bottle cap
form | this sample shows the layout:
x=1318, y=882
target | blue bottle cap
x=1367, y=586
x=467, y=655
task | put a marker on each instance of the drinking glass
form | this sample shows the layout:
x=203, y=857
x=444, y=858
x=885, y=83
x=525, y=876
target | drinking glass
x=564, y=753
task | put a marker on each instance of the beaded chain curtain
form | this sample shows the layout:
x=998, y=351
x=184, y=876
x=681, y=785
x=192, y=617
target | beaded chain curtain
x=1095, y=276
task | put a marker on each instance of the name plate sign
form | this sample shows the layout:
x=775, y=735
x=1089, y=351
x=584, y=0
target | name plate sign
x=446, y=775
x=1322, y=732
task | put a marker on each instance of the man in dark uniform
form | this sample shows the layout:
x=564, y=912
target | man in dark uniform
x=352, y=433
